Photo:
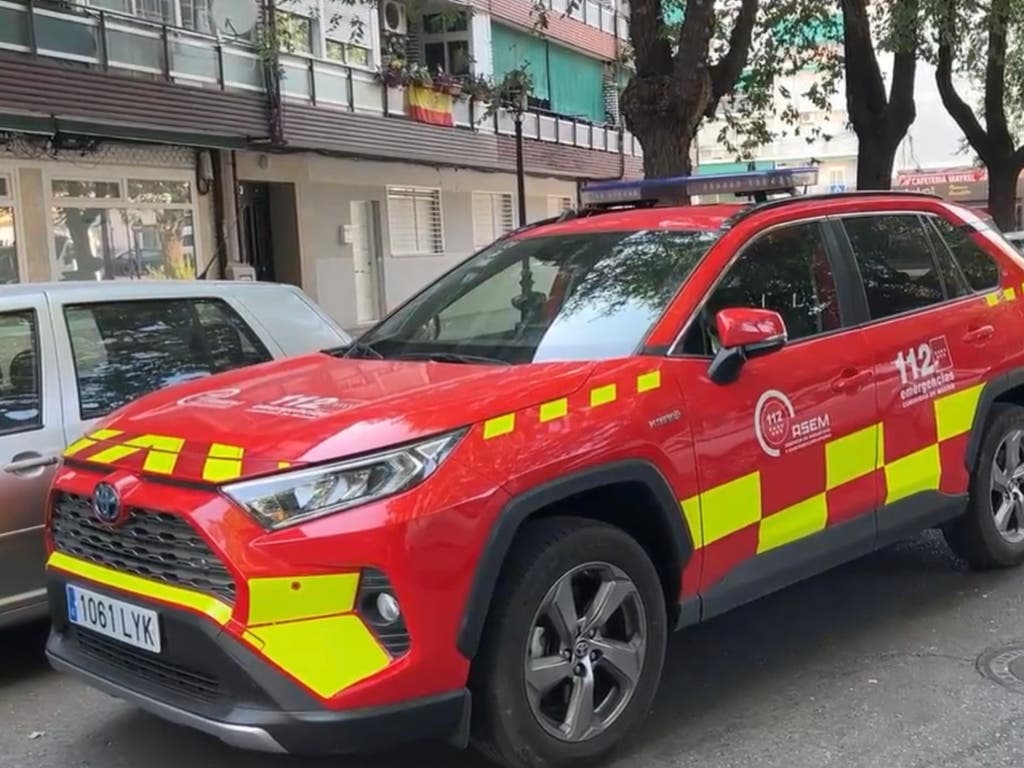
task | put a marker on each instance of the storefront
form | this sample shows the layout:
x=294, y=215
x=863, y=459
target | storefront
x=965, y=185
x=117, y=212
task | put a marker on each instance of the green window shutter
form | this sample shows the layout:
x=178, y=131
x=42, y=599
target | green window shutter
x=513, y=49
x=577, y=84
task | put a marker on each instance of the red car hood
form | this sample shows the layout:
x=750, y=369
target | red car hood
x=317, y=408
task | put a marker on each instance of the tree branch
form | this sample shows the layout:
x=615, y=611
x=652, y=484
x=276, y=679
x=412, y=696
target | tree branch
x=651, y=51
x=695, y=36
x=865, y=87
x=995, y=77
x=726, y=72
x=955, y=105
x=902, y=110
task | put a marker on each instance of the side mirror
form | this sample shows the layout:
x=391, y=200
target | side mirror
x=743, y=333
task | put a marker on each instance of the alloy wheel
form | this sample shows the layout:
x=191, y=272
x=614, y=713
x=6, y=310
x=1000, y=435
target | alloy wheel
x=1007, y=488
x=585, y=654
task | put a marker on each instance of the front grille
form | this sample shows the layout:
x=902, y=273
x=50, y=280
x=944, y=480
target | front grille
x=153, y=545
x=143, y=666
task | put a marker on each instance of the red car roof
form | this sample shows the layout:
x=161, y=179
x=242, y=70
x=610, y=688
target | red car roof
x=682, y=217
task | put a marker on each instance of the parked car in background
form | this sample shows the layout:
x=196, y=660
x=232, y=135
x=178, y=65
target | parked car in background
x=70, y=353
x=1016, y=239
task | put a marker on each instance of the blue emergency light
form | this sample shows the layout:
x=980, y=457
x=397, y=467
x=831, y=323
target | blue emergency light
x=756, y=184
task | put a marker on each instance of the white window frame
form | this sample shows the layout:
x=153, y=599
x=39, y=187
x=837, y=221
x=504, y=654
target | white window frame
x=559, y=204
x=837, y=176
x=412, y=192
x=120, y=174
x=13, y=200
x=465, y=36
x=493, y=199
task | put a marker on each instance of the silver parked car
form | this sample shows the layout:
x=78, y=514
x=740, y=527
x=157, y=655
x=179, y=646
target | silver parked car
x=70, y=353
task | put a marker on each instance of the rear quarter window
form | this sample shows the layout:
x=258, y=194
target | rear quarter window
x=980, y=269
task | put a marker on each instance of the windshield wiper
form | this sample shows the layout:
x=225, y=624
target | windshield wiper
x=451, y=357
x=361, y=348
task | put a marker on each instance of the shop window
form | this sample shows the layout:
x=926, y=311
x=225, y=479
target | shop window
x=123, y=229
x=8, y=233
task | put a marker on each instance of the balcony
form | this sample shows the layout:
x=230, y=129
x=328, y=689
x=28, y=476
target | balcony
x=113, y=42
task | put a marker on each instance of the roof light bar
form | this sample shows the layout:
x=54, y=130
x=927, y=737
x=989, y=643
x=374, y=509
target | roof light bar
x=757, y=184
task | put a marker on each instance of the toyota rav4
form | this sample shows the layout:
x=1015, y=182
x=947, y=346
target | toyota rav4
x=481, y=521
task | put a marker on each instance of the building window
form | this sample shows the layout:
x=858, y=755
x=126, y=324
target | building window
x=123, y=228
x=8, y=233
x=837, y=177
x=559, y=204
x=493, y=216
x=414, y=221
x=294, y=32
x=446, y=42
x=347, y=53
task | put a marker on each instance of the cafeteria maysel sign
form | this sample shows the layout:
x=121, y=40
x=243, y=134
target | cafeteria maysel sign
x=951, y=183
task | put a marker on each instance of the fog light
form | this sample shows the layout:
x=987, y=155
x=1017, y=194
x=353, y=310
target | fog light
x=387, y=607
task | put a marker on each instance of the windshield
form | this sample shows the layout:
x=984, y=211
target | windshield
x=564, y=297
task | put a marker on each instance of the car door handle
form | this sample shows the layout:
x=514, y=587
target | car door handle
x=851, y=381
x=981, y=333
x=34, y=462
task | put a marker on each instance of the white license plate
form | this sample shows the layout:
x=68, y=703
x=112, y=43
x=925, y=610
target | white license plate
x=114, y=618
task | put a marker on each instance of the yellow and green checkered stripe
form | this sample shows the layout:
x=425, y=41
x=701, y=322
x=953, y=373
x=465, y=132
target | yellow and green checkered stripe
x=597, y=396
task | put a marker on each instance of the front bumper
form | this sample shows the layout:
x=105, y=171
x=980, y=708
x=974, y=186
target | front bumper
x=207, y=680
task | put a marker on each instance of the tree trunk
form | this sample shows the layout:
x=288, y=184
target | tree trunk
x=1002, y=193
x=875, y=160
x=664, y=117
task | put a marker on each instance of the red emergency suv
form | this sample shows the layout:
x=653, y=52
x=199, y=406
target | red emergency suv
x=481, y=521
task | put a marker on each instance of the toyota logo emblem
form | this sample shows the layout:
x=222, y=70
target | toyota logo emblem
x=106, y=503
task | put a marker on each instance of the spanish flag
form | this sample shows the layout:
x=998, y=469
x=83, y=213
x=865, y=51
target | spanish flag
x=429, y=106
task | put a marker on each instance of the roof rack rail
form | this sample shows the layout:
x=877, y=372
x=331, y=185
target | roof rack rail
x=757, y=207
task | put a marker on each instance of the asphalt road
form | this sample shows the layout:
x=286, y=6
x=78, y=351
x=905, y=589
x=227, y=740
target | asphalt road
x=872, y=664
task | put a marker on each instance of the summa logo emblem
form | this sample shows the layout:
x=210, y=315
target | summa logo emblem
x=778, y=430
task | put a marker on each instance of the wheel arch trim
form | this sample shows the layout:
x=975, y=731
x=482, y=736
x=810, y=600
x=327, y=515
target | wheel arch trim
x=527, y=504
x=992, y=391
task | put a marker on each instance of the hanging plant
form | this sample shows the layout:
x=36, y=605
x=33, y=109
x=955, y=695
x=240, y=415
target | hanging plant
x=420, y=75
x=447, y=83
x=511, y=92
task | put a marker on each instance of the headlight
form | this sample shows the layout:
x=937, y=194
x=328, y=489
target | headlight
x=296, y=497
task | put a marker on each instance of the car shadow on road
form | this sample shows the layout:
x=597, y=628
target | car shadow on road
x=830, y=619
x=23, y=654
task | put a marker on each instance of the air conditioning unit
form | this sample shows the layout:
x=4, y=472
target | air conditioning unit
x=395, y=21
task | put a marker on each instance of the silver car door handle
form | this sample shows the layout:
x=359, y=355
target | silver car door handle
x=26, y=464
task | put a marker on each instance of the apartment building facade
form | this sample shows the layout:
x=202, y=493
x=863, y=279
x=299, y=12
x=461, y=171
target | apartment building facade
x=166, y=138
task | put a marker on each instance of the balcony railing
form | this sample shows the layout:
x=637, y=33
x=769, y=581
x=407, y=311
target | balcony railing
x=325, y=83
x=113, y=41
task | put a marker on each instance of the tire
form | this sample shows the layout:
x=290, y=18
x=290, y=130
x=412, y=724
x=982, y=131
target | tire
x=517, y=727
x=976, y=536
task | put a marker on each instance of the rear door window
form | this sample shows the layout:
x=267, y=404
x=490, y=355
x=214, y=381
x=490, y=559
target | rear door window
x=123, y=350
x=896, y=263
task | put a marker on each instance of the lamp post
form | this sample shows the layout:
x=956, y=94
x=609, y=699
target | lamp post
x=518, y=103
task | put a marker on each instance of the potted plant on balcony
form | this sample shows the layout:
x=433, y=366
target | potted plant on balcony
x=394, y=73
x=448, y=83
x=420, y=75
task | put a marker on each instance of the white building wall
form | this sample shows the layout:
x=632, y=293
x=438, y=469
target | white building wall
x=325, y=188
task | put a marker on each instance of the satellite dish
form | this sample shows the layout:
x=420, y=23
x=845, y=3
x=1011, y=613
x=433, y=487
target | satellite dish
x=234, y=17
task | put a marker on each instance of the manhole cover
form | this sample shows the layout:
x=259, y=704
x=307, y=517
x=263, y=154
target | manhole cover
x=1004, y=665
